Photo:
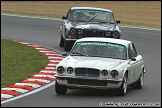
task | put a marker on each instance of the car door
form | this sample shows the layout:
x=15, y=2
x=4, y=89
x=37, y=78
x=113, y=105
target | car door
x=139, y=63
x=133, y=64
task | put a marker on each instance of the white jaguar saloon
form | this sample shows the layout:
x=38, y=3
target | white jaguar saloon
x=100, y=63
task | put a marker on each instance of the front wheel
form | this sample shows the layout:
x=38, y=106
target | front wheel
x=68, y=45
x=121, y=91
x=139, y=83
x=61, y=42
x=60, y=89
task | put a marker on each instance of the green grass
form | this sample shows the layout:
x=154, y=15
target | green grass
x=19, y=62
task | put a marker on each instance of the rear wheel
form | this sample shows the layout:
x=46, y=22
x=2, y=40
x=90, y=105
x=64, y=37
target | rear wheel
x=60, y=89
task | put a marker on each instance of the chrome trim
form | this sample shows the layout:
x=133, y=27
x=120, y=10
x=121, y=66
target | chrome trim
x=90, y=78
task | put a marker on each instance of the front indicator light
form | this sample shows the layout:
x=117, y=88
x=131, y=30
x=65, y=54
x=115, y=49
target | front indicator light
x=73, y=37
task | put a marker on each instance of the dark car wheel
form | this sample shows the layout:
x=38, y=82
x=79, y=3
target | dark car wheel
x=60, y=89
x=121, y=91
x=61, y=42
x=139, y=83
x=68, y=45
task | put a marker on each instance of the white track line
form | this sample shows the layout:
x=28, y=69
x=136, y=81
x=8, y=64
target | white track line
x=16, y=89
x=40, y=80
x=42, y=75
x=29, y=84
x=6, y=96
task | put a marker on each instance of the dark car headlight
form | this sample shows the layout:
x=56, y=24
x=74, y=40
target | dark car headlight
x=80, y=32
x=60, y=69
x=116, y=34
x=107, y=33
x=72, y=31
x=114, y=73
x=70, y=70
x=104, y=72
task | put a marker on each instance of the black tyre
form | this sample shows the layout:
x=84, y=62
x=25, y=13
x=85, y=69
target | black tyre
x=60, y=89
x=61, y=42
x=68, y=45
x=139, y=83
x=121, y=91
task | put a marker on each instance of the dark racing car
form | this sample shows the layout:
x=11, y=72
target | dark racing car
x=87, y=22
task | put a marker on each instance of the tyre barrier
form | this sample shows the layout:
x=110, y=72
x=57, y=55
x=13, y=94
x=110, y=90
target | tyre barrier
x=44, y=76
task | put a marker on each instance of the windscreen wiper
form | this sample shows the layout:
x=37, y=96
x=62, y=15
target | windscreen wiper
x=78, y=54
x=91, y=18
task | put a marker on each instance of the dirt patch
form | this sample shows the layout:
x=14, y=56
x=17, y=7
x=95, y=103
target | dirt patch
x=141, y=13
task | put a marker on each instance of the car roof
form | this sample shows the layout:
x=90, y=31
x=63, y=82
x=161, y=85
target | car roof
x=103, y=39
x=94, y=8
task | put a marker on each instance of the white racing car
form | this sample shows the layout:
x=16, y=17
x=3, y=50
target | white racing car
x=100, y=63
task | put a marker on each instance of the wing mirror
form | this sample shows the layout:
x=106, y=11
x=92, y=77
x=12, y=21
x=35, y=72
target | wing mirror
x=64, y=54
x=133, y=59
x=64, y=17
x=118, y=21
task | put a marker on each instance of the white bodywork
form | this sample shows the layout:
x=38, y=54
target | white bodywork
x=133, y=68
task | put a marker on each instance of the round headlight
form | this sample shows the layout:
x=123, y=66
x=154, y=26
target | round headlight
x=116, y=34
x=60, y=69
x=72, y=31
x=104, y=72
x=80, y=32
x=70, y=70
x=107, y=33
x=114, y=73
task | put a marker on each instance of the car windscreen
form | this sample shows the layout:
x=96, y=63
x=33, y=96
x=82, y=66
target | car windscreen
x=91, y=15
x=99, y=49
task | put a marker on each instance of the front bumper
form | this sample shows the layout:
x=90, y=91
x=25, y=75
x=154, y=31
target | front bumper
x=91, y=83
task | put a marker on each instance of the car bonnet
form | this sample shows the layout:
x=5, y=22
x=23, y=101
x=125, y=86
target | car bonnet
x=92, y=62
x=101, y=26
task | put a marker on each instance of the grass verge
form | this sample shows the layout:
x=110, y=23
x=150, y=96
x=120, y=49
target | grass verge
x=19, y=62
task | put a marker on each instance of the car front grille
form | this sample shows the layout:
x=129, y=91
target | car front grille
x=87, y=72
x=93, y=33
x=87, y=82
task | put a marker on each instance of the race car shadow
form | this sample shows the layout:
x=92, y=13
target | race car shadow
x=95, y=92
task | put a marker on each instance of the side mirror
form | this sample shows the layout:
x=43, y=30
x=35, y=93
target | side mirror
x=118, y=21
x=64, y=17
x=133, y=59
x=64, y=54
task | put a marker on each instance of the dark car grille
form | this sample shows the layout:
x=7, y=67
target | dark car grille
x=87, y=82
x=93, y=33
x=87, y=72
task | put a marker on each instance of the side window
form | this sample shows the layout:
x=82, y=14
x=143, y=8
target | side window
x=132, y=50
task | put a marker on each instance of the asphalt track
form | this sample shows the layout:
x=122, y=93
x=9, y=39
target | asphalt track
x=45, y=32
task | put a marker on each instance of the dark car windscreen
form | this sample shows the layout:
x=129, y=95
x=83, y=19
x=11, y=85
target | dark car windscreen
x=91, y=15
